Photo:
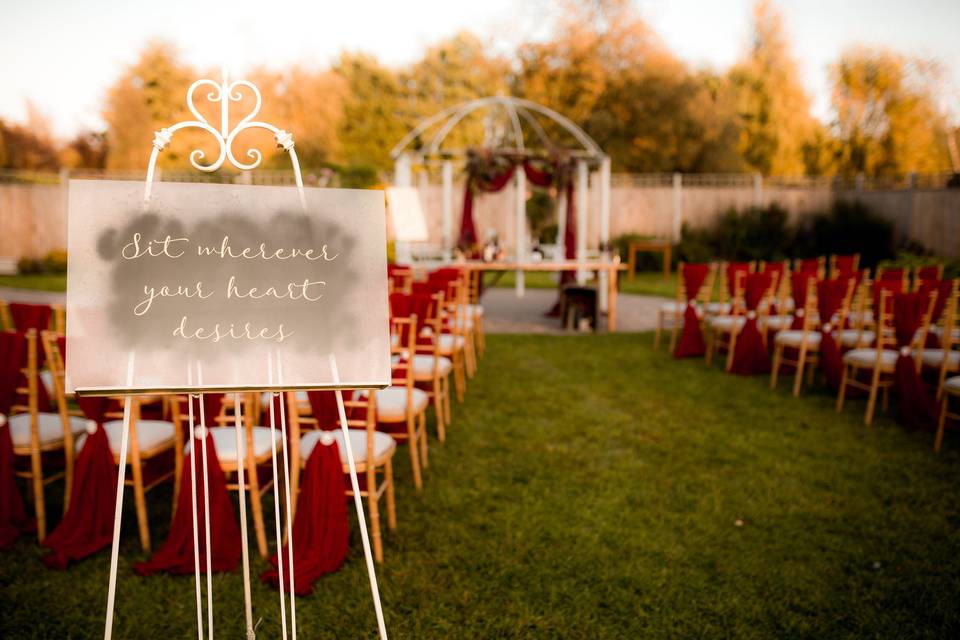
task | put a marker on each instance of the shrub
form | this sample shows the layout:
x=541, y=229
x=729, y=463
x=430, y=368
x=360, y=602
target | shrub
x=849, y=227
x=29, y=266
x=758, y=233
x=55, y=261
x=645, y=261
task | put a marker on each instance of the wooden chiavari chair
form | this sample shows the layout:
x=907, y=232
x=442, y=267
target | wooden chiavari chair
x=926, y=273
x=946, y=358
x=857, y=334
x=399, y=279
x=452, y=341
x=36, y=434
x=372, y=450
x=778, y=316
x=813, y=266
x=880, y=361
x=950, y=390
x=762, y=310
x=894, y=274
x=151, y=442
x=402, y=407
x=805, y=340
x=670, y=314
x=257, y=450
x=841, y=264
x=474, y=308
x=721, y=328
x=727, y=270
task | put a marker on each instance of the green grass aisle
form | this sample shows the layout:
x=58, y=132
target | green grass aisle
x=592, y=488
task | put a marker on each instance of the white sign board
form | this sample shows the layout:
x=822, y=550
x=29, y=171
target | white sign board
x=224, y=287
x=406, y=213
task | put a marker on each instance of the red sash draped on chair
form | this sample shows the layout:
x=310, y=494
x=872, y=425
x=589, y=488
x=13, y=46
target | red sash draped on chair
x=691, y=337
x=13, y=514
x=918, y=406
x=798, y=283
x=733, y=269
x=321, y=530
x=750, y=355
x=323, y=406
x=830, y=294
x=30, y=316
x=845, y=265
x=943, y=288
x=176, y=554
x=810, y=267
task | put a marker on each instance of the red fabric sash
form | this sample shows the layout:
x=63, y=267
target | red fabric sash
x=87, y=526
x=468, y=229
x=799, y=283
x=323, y=406
x=691, y=337
x=13, y=515
x=918, y=407
x=30, y=316
x=321, y=530
x=830, y=294
x=810, y=267
x=733, y=269
x=750, y=356
x=844, y=265
x=176, y=554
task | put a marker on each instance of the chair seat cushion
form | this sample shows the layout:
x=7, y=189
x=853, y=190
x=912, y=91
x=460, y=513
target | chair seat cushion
x=952, y=385
x=672, y=307
x=423, y=366
x=794, y=338
x=866, y=358
x=727, y=323
x=49, y=428
x=779, y=322
x=854, y=338
x=714, y=308
x=392, y=403
x=475, y=310
x=151, y=434
x=225, y=440
x=934, y=358
x=938, y=331
x=382, y=443
x=448, y=341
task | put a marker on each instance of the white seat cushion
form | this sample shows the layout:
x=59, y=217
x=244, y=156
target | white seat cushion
x=447, y=342
x=854, y=338
x=794, y=338
x=866, y=358
x=938, y=331
x=225, y=440
x=778, y=322
x=46, y=378
x=49, y=428
x=392, y=403
x=934, y=358
x=854, y=316
x=475, y=310
x=952, y=384
x=673, y=307
x=382, y=443
x=423, y=366
x=714, y=308
x=726, y=323
x=150, y=434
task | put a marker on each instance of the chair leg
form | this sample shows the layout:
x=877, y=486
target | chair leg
x=446, y=398
x=438, y=408
x=391, y=498
x=656, y=336
x=422, y=438
x=68, y=459
x=711, y=342
x=469, y=355
x=731, y=347
x=938, y=440
x=36, y=478
x=256, y=506
x=798, y=375
x=177, y=472
x=885, y=399
x=414, y=453
x=458, y=374
x=140, y=500
x=843, y=388
x=481, y=339
x=775, y=368
x=374, y=509
x=872, y=400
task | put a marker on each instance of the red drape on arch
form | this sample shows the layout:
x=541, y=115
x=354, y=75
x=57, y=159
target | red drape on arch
x=750, y=355
x=176, y=555
x=918, y=406
x=321, y=530
x=468, y=229
x=691, y=337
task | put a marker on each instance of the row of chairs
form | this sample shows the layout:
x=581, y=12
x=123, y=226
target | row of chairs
x=429, y=345
x=789, y=313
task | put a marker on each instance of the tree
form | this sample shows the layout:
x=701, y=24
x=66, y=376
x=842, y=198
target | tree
x=21, y=147
x=773, y=107
x=887, y=118
x=87, y=150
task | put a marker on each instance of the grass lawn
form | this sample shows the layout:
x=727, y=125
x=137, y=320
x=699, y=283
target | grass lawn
x=591, y=488
x=650, y=283
x=43, y=282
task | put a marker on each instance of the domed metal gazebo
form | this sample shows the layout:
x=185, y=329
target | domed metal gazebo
x=521, y=130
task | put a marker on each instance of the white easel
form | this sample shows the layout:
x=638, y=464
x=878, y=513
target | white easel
x=225, y=92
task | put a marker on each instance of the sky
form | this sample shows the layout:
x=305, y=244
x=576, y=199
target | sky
x=62, y=55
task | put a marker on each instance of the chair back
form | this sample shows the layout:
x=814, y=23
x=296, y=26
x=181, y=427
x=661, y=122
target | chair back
x=811, y=266
x=844, y=264
x=399, y=278
x=926, y=273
